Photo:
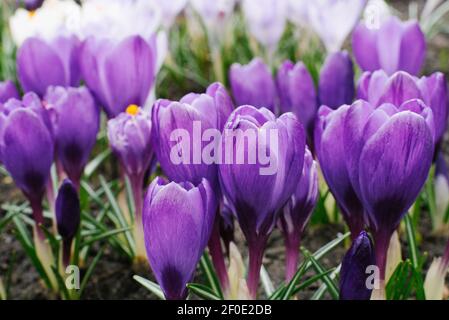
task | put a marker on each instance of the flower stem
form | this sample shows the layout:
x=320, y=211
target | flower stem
x=382, y=240
x=137, y=190
x=216, y=252
x=256, y=251
x=291, y=256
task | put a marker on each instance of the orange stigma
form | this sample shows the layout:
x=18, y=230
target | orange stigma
x=132, y=109
x=31, y=13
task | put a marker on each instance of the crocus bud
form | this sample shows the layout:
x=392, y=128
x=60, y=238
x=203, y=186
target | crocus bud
x=441, y=186
x=42, y=63
x=130, y=138
x=331, y=154
x=334, y=20
x=26, y=145
x=30, y=5
x=336, y=85
x=378, y=88
x=297, y=212
x=386, y=180
x=68, y=215
x=117, y=82
x=353, y=273
x=257, y=188
x=266, y=20
x=188, y=211
x=253, y=84
x=392, y=46
x=297, y=93
x=178, y=128
x=8, y=90
x=76, y=121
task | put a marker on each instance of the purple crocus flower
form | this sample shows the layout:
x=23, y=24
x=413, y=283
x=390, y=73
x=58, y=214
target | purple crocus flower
x=257, y=188
x=386, y=180
x=41, y=63
x=253, y=84
x=68, y=216
x=186, y=211
x=353, y=273
x=8, y=90
x=336, y=84
x=26, y=146
x=297, y=93
x=393, y=47
x=297, y=212
x=130, y=138
x=120, y=73
x=377, y=88
x=331, y=155
x=190, y=118
x=76, y=121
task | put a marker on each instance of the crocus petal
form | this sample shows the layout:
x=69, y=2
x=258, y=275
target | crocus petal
x=413, y=48
x=336, y=85
x=253, y=84
x=400, y=88
x=8, y=90
x=364, y=45
x=39, y=66
x=393, y=168
x=188, y=212
x=27, y=151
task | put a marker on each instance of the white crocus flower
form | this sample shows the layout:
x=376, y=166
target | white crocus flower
x=238, y=290
x=118, y=19
x=266, y=20
x=333, y=20
x=298, y=12
x=54, y=18
x=434, y=282
x=170, y=10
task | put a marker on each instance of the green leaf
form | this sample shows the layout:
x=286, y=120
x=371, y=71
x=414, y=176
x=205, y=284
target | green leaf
x=118, y=213
x=312, y=280
x=306, y=265
x=211, y=275
x=92, y=166
x=89, y=272
x=202, y=291
x=410, y=230
x=61, y=284
x=331, y=286
x=323, y=288
x=150, y=285
x=27, y=244
x=104, y=235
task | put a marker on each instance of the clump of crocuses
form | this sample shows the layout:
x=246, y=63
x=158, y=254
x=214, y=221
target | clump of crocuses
x=178, y=221
x=256, y=189
x=130, y=138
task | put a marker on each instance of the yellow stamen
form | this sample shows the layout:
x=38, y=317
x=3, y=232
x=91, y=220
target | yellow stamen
x=132, y=109
x=31, y=13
